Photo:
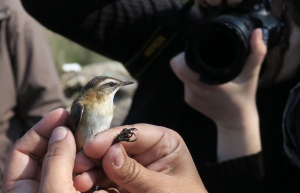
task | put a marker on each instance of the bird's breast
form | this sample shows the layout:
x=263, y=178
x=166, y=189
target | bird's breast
x=95, y=119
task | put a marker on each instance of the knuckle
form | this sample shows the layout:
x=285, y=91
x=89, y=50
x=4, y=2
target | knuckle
x=173, y=61
x=175, y=66
x=190, y=97
x=175, y=136
x=132, y=172
x=178, y=65
x=55, y=152
x=188, y=101
x=263, y=52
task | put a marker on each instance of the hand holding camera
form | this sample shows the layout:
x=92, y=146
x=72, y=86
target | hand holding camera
x=226, y=103
x=232, y=106
x=228, y=66
x=218, y=46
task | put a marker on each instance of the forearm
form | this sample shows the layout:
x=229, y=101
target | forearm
x=240, y=137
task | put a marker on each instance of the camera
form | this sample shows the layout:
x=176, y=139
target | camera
x=218, y=46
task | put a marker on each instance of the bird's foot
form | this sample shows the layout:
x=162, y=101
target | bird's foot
x=125, y=135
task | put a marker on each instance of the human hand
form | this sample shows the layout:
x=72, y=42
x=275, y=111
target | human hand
x=38, y=163
x=230, y=103
x=158, y=161
x=34, y=168
x=232, y=106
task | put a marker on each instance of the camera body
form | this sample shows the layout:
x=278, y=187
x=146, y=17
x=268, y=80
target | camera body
x=219, y=45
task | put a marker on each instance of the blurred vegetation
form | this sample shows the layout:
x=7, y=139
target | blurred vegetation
x=66, y=51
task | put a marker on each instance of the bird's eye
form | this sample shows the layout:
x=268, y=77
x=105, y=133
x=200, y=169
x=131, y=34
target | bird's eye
x=111, y=84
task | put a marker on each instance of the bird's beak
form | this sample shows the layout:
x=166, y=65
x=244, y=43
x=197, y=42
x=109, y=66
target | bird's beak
x=127, y=83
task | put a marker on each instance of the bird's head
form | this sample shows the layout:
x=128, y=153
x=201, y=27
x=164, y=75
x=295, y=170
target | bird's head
x=105, y=86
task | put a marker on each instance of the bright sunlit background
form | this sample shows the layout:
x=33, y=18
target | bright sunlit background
x=66, y=51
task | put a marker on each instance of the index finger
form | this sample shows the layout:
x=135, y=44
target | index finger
x=153, y=142
x=182, y=71
x=23, y=161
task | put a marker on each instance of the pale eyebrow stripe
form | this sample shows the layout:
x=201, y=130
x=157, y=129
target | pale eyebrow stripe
x=107, y=81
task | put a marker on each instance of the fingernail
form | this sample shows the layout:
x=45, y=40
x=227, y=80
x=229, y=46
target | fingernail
x=58, y=133
x=117, y=157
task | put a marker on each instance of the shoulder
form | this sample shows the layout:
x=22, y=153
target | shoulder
x=18, y=27
x=17, y=19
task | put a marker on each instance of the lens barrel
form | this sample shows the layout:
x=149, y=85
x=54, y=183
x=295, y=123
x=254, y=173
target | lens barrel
x=218, y=49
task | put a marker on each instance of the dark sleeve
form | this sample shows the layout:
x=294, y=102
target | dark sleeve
x=291, y=131
x=114, y=28
x=238, y=175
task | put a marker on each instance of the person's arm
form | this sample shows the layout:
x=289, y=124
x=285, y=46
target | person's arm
x=232, y=106
x=238, y=165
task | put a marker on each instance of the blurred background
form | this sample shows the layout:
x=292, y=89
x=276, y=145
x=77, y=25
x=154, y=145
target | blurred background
x=77, y=65
x=66, y=51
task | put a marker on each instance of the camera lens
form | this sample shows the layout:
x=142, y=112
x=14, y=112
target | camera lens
x=218, y=49
x=219, y=45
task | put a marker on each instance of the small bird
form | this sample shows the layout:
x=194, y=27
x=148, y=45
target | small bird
x=92, y=111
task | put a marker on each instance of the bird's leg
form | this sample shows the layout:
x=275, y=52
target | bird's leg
x=125, y=135
x=98, y=162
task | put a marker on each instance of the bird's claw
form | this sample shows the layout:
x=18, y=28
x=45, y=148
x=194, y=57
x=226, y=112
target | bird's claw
x=125, y=135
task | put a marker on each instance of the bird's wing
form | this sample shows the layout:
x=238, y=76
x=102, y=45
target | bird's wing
x=75, y=116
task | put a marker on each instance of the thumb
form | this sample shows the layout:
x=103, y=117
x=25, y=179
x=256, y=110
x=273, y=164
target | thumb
x=256, y=57
x=59, y=162
x=129, y=174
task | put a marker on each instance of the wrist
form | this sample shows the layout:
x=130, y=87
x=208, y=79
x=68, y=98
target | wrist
x=241, y=119
x=238, y=137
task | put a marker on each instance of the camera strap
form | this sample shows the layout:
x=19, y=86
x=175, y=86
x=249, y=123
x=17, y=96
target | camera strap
x=158, y=42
